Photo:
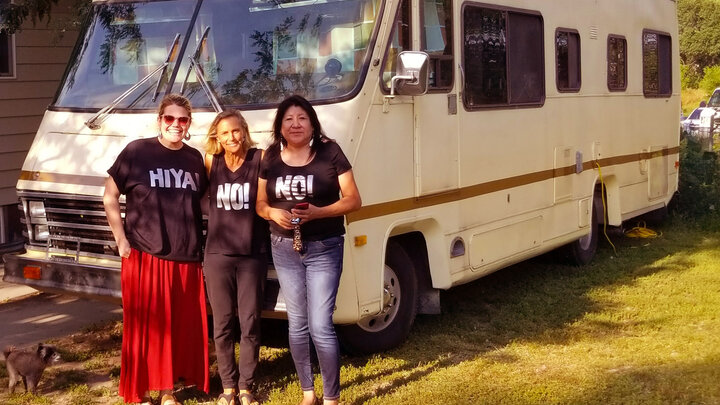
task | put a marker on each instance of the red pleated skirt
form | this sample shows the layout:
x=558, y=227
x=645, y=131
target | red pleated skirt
x=165, y=331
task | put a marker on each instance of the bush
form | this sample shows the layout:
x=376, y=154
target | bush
x=698, y=196
x=711, y=79
x=689, y=77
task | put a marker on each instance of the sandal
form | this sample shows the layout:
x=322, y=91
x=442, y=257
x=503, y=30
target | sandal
x=246, y=396
x=226, y=399
x=169, y=399
x=316, y=401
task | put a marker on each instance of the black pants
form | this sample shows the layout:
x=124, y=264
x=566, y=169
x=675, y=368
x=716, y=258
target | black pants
x=235, y=285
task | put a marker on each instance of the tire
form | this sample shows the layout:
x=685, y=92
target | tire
x=582, y=251
x=391, y=326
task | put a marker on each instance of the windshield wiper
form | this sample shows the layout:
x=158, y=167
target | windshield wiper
x=165, y=65
x=200, y=74
x=195, y=56
x=99, y=118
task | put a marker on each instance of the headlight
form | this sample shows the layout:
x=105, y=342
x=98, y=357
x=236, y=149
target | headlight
x=36, y=209
x=41, y=232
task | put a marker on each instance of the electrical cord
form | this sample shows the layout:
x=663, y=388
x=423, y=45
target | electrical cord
x=640, y=231
x=604, y=203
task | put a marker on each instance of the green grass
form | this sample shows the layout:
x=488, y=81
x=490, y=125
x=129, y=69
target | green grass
x=690, y=99
x=639, y=325
x=636, y=327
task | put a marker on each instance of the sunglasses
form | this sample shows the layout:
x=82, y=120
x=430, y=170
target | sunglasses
x=169, y=120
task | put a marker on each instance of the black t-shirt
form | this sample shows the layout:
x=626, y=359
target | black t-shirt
x=234, y=228
x=163, y=189
x=316, y=183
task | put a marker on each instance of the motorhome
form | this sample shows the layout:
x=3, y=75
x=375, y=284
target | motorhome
x=481, y=133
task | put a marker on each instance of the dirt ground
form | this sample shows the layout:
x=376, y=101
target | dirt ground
x=88, y=373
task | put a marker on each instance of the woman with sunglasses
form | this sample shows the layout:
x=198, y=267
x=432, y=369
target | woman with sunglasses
x=235, y=253
x=306, y=186
x=163, y=295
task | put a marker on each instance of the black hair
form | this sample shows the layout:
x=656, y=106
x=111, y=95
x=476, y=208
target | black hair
x=297, y=101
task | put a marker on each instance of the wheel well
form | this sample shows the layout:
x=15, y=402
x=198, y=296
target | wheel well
x=612, y=200
x=600, y=199
x=415, y=246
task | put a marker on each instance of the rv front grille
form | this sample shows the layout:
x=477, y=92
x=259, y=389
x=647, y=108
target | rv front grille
x=76, y=224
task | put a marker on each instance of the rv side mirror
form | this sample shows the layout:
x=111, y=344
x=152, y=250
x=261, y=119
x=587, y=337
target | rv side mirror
x=412, y=74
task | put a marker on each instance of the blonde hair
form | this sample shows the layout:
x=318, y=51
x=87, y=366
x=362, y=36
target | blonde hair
x=213, y=146
x=174, y=99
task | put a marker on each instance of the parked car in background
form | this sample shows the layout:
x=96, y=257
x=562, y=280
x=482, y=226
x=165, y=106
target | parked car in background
x=691, y=124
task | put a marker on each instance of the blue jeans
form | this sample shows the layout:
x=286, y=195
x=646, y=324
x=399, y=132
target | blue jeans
x=309, y=282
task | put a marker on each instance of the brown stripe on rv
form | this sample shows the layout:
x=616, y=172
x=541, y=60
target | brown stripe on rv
x=63, y=178
x=407, y=204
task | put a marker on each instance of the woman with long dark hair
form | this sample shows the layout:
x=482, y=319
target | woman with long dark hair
x=306, y=187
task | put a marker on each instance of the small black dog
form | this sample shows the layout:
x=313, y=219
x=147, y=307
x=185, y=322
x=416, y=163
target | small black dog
x=28, y=366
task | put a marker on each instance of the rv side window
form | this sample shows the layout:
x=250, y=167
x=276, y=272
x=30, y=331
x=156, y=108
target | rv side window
x=436, y=40
x=567, y=60
x=399, y=41
x=502, y=58
x=657, y=65
x=616, y=63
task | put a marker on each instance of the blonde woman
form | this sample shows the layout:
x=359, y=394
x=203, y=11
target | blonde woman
x=235, y=253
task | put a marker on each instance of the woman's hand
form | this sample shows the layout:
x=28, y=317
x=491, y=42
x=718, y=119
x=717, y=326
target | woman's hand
x=281, y=217
x=305, y=214
x=124, y=248
x=111, y=201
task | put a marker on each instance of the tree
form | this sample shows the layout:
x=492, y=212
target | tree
x=699, y=25
x=13, y=15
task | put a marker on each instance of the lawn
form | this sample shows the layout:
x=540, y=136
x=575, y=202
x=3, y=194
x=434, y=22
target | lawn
x=637, y=326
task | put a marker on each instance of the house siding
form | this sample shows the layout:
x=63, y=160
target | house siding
x=40, y=59
x=40, y=55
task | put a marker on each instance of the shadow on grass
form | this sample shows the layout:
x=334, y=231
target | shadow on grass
x=659, y=384
x=532, y=301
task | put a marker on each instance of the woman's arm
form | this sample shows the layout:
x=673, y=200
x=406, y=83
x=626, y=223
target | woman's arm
x=263, y=208
x=349, y=201
x=111, y=201
x=208, y=163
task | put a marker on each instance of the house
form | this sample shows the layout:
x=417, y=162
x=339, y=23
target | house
x=32, y=63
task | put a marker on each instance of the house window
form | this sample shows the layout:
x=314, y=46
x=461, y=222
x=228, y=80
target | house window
x=7, y=62
x=7, y=65
x=503, y=62
x=567, y=58
x=437, y=42
x=657, y=64
x=616, y=63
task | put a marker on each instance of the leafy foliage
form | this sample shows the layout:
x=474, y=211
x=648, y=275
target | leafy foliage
x=699, y=184
x=13, y=15
x=699, y=26
x=689, y=77
x=711, y=79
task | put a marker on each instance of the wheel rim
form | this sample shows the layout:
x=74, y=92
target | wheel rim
x=391, y=304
